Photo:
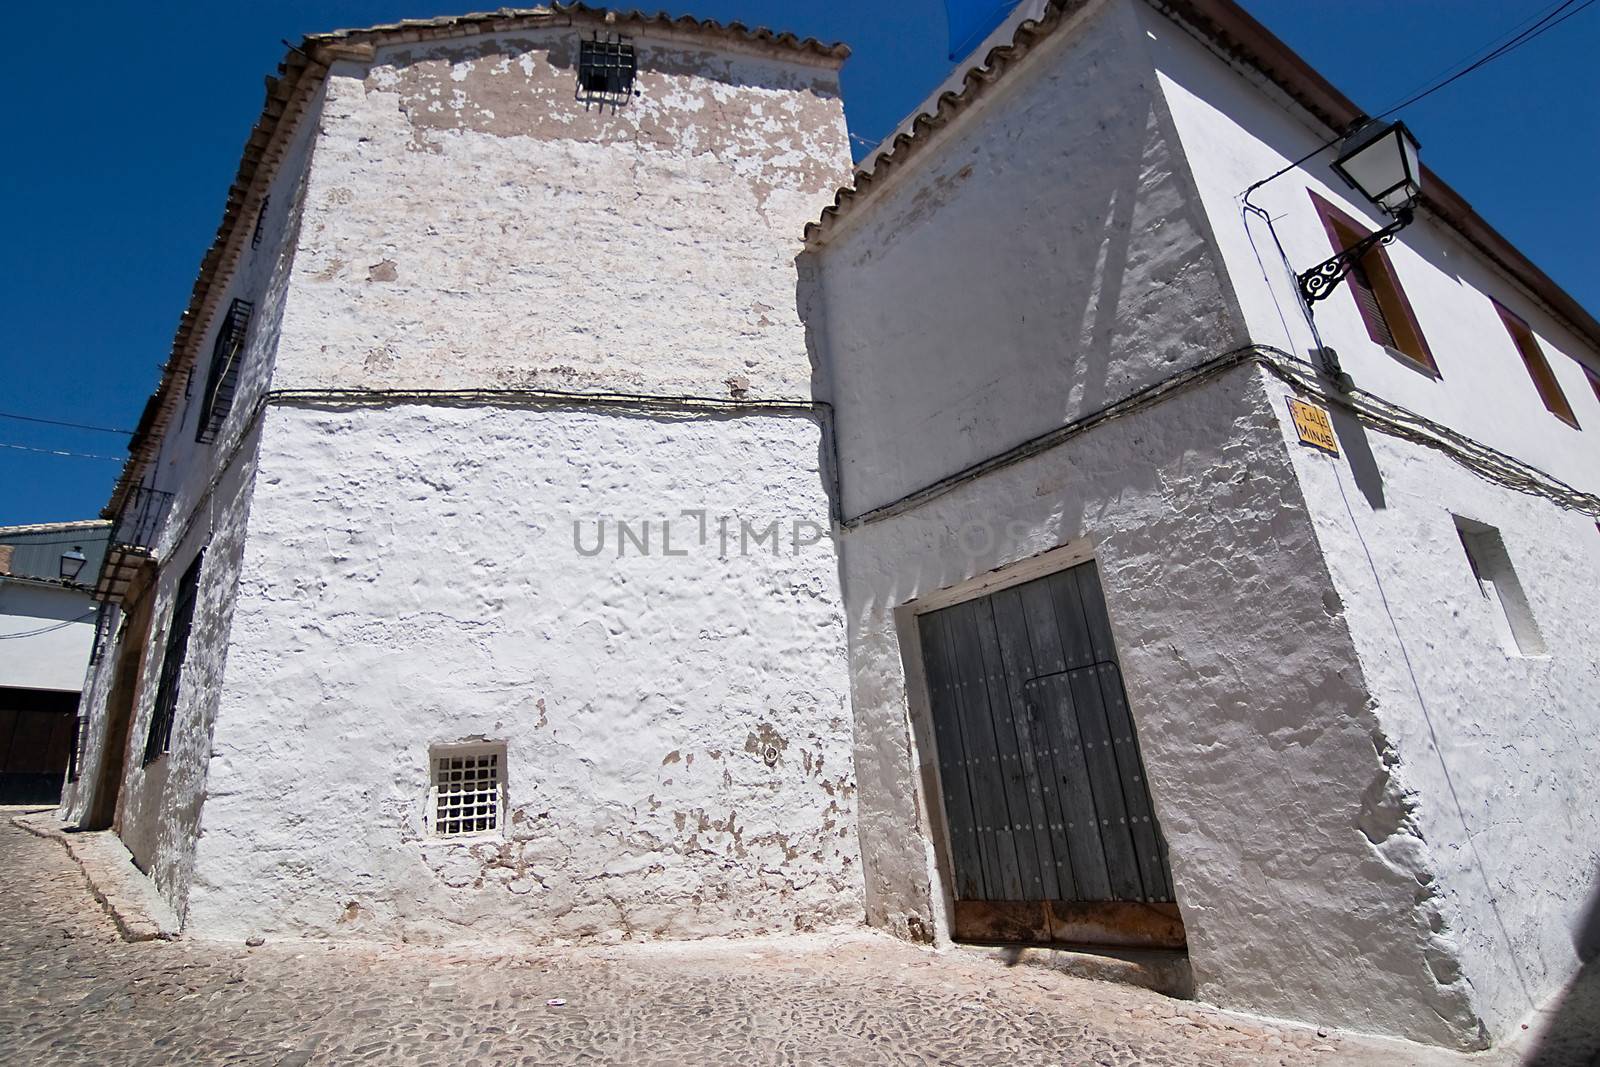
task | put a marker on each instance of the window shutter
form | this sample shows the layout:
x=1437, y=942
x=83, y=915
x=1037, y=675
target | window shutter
x=1371, y=309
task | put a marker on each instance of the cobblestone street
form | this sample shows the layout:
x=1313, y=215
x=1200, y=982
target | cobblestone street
x=71, y=991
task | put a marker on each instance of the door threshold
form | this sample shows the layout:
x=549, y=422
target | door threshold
x=1161, y=970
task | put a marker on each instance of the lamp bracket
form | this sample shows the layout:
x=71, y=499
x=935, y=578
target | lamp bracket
x=1324, y=278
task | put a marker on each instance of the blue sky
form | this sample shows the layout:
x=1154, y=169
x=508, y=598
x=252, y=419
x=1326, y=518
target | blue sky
x=123, y=135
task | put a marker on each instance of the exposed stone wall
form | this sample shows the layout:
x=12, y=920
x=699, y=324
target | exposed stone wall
x=475, y=225
x=677, y=726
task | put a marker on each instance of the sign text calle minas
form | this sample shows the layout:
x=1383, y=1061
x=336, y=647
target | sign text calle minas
x=1313, y=425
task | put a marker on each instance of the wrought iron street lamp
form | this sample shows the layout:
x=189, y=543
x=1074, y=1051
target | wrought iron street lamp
x=72, y=563
x=1380, y=161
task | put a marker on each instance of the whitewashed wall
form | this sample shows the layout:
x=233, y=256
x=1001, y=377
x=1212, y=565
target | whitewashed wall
x=410, y=577
x=473, y=225
x=439, y=597
x=211, y=485
x=1234, y=133
x=1042, y=256
x=1494, y=755
x=56, y=658
x=960, y=317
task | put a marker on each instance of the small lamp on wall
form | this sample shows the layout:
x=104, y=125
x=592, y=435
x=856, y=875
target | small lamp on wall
x=72, y=563
x=1379, y=160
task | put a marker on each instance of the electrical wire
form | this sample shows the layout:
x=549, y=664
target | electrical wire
x=47, y=629
x=60, y=452
x=1369, y=408
x=58, y=422
x=1538, y=29
x=1542, y=25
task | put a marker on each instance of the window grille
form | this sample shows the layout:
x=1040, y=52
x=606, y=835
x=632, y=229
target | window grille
x=467, y=790
x=261, y=222
x=1544, y=379
x=159, y=740
x=227, y=352
x=606, y=70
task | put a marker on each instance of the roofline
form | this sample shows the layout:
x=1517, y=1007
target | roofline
x=299, y=76
x=1232, y=31
x=54, y=527
x=449, y=26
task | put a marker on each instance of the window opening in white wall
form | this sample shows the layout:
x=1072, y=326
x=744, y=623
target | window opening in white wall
x=226, y=355
x=606, y=69
x=261, y=222
x=467, y=794
x=1497, y=581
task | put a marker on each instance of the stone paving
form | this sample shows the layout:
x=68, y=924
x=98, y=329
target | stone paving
x=72, y=991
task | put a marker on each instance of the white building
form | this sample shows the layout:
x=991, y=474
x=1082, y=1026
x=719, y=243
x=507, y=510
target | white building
x=47, y=629
x=474, y=566
x=1364, y=686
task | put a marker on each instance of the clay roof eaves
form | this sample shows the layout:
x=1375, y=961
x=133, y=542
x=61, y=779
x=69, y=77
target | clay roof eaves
x=508, y=18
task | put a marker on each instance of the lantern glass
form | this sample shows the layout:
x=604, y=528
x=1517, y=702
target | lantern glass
x=1381, y=162
x=72, y=564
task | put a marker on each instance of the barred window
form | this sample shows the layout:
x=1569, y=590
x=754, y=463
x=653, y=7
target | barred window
x=159, y=740
x=261, y=222
x=467, y=795
x=606, y=70
x=227, y=352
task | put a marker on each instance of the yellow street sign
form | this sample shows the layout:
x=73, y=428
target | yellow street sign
x=1313, y=425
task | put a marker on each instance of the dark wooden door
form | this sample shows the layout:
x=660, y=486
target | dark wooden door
x=1051, y=831
x=37, y=730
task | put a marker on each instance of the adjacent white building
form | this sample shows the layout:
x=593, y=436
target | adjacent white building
x=565, y=517
x=1363, y=687
x=47, y=632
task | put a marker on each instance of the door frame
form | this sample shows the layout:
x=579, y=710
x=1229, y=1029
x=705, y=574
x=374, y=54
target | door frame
x=928, y=783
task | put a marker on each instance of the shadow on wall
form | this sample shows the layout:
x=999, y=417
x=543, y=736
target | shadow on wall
x=1570, y=1028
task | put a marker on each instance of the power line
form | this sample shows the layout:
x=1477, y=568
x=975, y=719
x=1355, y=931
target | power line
x=47, y=629
x=1512, y=32
x=1549, y=21
x=58, y=422
x=59, y=452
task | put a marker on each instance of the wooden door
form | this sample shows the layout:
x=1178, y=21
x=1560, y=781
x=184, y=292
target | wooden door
x=1052, y=835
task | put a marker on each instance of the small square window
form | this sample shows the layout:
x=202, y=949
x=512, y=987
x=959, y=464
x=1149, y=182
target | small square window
x=467, y=794
x=606, y=69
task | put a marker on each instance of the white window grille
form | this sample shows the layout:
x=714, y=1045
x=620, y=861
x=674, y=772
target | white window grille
x=468, y=790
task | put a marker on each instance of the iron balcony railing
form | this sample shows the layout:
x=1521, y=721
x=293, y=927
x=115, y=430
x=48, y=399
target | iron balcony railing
x=133, y=540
